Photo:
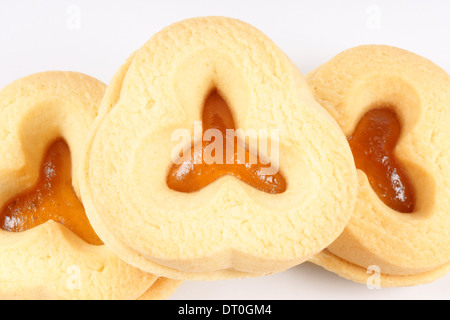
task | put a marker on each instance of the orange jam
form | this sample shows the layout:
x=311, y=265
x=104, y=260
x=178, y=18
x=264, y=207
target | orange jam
x=373, y=144
x=191, y=175
x=51, y=198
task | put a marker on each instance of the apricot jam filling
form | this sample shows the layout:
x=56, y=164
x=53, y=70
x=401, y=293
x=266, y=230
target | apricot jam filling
x=190, y=174
x=52, y=197
x=373, y=144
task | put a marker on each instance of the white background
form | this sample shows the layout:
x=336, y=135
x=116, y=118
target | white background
x=95, y=37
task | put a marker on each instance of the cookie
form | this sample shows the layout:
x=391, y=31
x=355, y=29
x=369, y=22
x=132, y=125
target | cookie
x=393, y=107
x=215, y=214
x=48, y=250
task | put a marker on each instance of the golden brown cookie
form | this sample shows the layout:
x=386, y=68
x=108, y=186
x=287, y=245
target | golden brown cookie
x=44, y=122
x=205, y=221
x=393, y=107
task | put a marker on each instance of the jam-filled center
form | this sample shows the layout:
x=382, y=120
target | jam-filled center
x=373, y=144
x=52, y=197
x=190, y=175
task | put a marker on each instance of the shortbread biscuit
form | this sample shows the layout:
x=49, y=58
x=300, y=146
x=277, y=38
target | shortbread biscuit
x=228, y=228
x=49, y=261
x=408, y=247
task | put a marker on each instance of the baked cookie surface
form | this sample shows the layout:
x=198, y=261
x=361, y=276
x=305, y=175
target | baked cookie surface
x=228, y=228
x=410, y=242
x=42, y=259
